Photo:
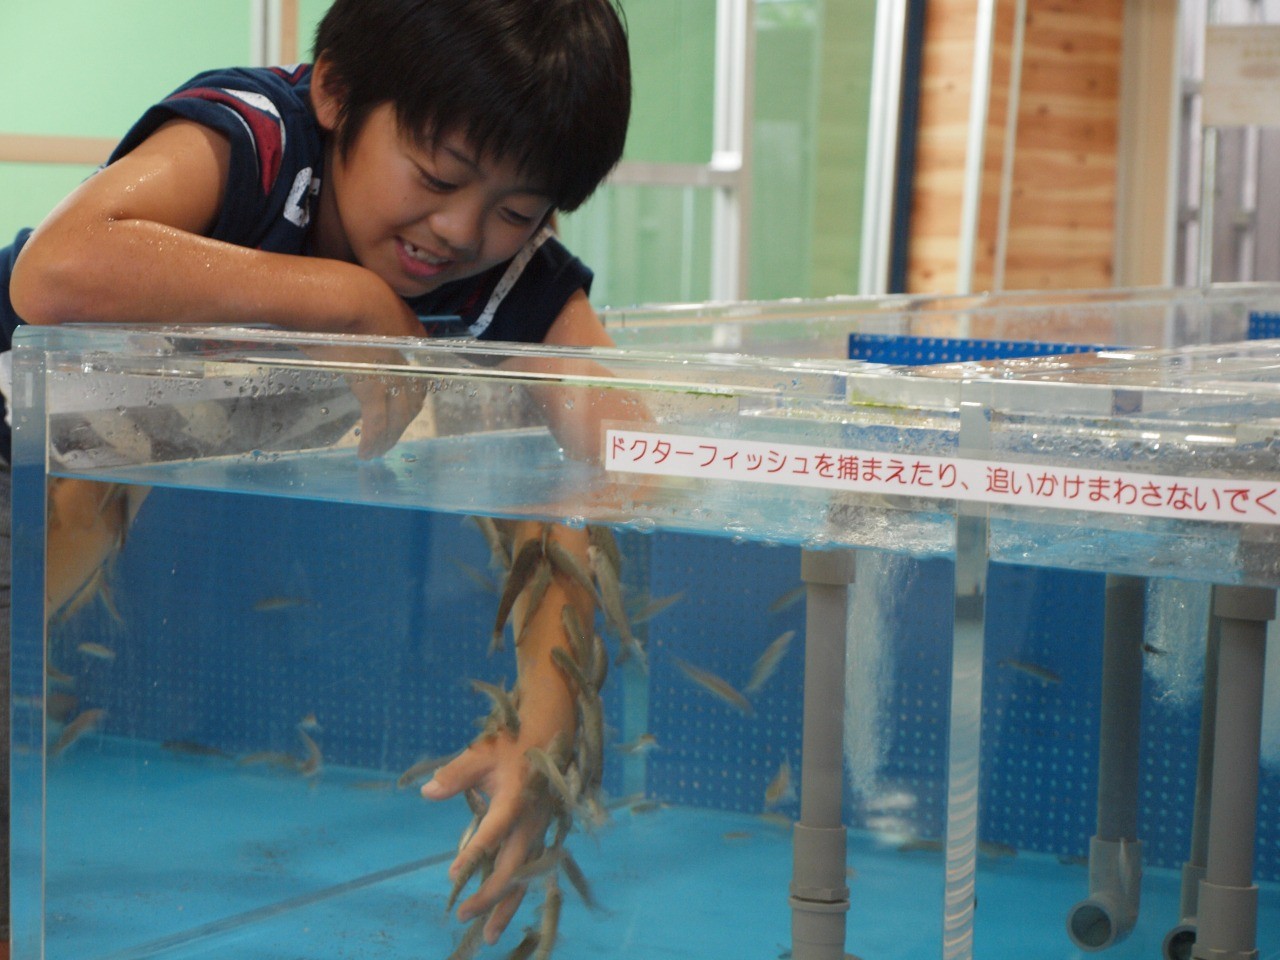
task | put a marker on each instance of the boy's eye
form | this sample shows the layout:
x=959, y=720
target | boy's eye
x=516, y=217
x=435, y=183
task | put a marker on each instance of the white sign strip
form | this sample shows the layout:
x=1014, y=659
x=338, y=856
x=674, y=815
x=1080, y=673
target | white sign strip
x=1222, y=500
x=1241, y=73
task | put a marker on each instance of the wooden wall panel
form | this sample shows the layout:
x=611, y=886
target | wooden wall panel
x=995, y=146
x=1060, y=231
x=1062, y=215
x=941, y=140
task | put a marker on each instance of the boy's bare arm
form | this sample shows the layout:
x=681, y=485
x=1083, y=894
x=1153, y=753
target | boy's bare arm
x=517, y=817
x=129, y=245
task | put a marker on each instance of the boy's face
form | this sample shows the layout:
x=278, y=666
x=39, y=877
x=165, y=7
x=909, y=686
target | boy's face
x=421, y=215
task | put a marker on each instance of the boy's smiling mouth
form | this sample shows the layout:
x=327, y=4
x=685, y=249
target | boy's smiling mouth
x=420, y=263
x=424, y=256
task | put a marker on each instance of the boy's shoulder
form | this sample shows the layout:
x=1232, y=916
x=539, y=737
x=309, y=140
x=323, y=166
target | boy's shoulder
x=252, y=97
x=276, y=148
x=288, y=83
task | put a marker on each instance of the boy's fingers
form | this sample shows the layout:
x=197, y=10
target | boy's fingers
x=502, y=914
x=386, y=415
x=490, y=836
x=373, y=428
x=464, y=770
x=497, y=888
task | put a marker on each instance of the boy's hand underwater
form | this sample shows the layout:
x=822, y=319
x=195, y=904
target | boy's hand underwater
x=513, y=826
x=512, y=829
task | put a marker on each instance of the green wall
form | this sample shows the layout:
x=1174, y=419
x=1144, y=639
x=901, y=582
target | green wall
x=89, y=68
x=98, y=71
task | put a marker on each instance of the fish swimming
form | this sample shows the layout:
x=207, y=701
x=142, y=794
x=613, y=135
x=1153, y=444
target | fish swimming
x=77, y=728
x=718, y=686
x=603, y=540
x=484, y=582
x=768, y=662
x=543, y=574
x=503, y=703
x=192, y=748
x=647, y=610
x=550, y=925
x=471, y=940
x=780, y=790
x=550, y=770
x=564, y=660
x=606, y=576
x=96, y=650
x=310, y=766
x=1043, y=674
x=499, y=552
x=578, y=880
x=788, y=599
x=575, y=633
x=423, y=768
x=275, y=758
x=524, y=949
x=518, y=577
x=571, y=567
x=480, y=861
x=641, y=744
x=274, y=604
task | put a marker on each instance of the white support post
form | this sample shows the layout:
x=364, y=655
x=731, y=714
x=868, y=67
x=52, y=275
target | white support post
x=731, y=148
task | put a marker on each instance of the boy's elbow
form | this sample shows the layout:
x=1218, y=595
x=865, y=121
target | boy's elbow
x=44, y=289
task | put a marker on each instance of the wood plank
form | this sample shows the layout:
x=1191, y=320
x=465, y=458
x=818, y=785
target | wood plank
x=50, y=148
x=289, y=31
x=1061, y=231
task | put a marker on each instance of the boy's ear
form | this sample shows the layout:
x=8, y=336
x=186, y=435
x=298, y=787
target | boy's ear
x=326, y=95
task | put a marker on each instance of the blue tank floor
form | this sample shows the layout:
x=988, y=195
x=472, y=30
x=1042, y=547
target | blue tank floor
x=155, y=854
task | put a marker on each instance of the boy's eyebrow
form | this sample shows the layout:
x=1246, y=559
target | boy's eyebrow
x=474, y=163
x=465, y=158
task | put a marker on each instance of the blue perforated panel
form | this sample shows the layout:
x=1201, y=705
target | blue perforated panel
x=918, y=351
x=1264, y=326
x=712, y=755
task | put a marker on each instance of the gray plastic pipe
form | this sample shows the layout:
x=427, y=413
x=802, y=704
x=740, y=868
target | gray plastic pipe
x=1227, y=905
x=1107, y=915
x=819, y=894
x=1178, y=941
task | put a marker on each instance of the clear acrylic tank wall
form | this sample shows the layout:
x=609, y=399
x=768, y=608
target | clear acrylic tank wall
x=929, y=650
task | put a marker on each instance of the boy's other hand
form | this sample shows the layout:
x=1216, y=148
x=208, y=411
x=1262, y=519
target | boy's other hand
x=388, y=404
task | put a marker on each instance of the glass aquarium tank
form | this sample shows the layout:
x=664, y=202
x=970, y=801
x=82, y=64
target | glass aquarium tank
x=961, y=659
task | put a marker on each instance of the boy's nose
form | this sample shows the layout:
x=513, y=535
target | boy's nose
x=458, y=225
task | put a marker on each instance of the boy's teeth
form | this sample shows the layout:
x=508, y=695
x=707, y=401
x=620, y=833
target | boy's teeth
x=421, y=255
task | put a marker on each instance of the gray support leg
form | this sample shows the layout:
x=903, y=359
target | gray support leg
x=819, y=894
x=1108, y=914
x=1178, y=941
x=1227, y=915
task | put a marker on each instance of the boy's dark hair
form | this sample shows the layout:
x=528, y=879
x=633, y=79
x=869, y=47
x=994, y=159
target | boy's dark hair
x=546, y=83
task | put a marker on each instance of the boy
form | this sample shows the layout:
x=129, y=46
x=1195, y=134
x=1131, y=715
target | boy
x=412, y=169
